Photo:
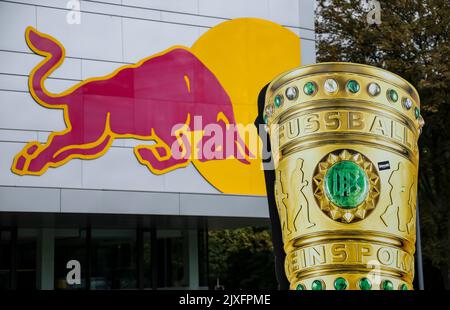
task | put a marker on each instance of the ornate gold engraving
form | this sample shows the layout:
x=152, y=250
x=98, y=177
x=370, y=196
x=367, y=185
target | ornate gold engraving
x=401, y=190
x=281, y=198
x=291, y=216
x=302, y=212
x=346, y=176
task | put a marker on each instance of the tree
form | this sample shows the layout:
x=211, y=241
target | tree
x=413, y=42
x=242, y=258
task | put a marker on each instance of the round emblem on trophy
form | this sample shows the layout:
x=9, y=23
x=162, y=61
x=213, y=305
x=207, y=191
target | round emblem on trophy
x=346, y=186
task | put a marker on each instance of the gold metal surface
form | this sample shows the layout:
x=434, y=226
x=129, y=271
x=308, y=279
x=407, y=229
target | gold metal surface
x=346, y=160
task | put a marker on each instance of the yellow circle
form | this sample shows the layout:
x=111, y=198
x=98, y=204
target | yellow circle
x=244, y=54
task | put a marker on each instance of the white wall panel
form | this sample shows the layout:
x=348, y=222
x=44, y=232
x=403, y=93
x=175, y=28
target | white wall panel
x=93, y=68
x=187, y=180
x=29, y=199
x=57, y=86
x=20, y=111
x=119, y=169
x=62, y=4
x=14, y=18
x=118, y=10
x=189, y=6
x=20, y=83
x=111, y=1
x=235, y=8
x=96, y=37
x=90, y=201
x=209, y=205
x=17, y=135
x=54, y=23
x=103, y=36
x=130, y=143
x=306, y=13
x=13, y=83
x=190, y=19
x=23, y=63
x=145, y=38
x=308, y=52
x=284, y=12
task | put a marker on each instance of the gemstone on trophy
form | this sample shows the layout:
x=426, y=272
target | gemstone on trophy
x=269, y=110
x=387, y=285
x=331, y=86
x=340, y=284
x=407, y=103
x=374, y=89
x=278, y=101
x=346, y=184
x=365, y=284
x=392, y=95
x=417, y=112
x=353, y=86
x=317, y=285
x=309, y=88
x=291, y=92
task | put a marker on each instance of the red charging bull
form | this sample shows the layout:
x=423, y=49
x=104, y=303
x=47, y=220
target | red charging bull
x=156, y=100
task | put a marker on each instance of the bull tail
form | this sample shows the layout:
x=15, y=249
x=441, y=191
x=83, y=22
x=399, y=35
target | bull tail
x=44, y=45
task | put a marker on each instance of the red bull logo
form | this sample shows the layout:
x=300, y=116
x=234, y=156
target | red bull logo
x=165, y=98
x=184, y=105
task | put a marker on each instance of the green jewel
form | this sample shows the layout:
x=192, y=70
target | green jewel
x=416, y=112
x=278, y=101
x=404, y=287
x=265, y=119
x=317, y=285
x=309, y=88
x=387, y=285
x=340, y=284
x=365, y=284
x=300, y=287
x=346, y=184
x=353, y=86
x=393, y=96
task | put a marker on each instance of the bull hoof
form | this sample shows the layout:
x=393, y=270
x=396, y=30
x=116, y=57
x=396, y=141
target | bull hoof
x=23, y=159
x=19, y=164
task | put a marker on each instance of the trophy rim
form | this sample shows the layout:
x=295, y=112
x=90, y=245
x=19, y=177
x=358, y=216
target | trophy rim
x=342, y=67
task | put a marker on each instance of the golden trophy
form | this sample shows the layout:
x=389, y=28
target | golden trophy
x=344, y=144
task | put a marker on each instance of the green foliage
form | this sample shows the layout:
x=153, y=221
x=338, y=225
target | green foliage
x=413, y=42
x=241, y=258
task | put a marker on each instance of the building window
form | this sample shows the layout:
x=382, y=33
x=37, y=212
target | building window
x=26, y=254
x=70, y=244
x=139, y=258
x=173, y=259
x=113, y=259
x=203, y=258
x=5, y=259
x=18, y=251
x=147, y=260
